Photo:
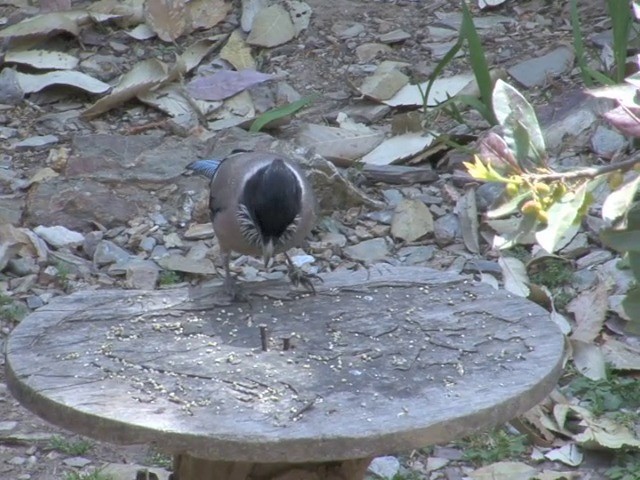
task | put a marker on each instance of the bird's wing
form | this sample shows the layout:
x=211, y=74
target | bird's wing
x=208, y=168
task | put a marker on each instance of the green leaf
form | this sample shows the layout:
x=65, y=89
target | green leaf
x=528, y=223
x=281, y=112
x=561, y=217
x=631, y=305
x=621, y=240
x=634, y=262
x=620, y=16
x=478, y=61
x=514, y=114
x=618, y=203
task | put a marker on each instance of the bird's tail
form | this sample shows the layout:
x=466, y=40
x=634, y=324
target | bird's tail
x=205, y=167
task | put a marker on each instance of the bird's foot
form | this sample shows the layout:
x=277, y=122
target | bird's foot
x=233, y=290
x=300, y=278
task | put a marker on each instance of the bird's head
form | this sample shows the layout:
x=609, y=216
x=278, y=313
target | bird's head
x=270, y=207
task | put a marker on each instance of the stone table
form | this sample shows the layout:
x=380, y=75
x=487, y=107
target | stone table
x=379, y=361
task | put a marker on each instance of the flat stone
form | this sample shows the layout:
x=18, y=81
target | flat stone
x=536, y=71
x=11, y=208
x=77, y=462
x=369, y=51
x=10, y=91
x=331, y=239
x=595, y=257
x=180, y=263
x=59, y=236
x=484, y=266
x=142, y=274
x=108, y=252
x=605, y=142
x=40, y=141
x=369, y=251
x=446, y=229
x=416, y=255
x=436, y=463
x=148, y=243
x=199, y=231
x=17, y=461
x=384, y=217
x=411, y=221
x=385, y=467
x=172, y=240
x=129, y=471
x=345, y=29
x=394, y=37
x=392, y=196
x=487, y=194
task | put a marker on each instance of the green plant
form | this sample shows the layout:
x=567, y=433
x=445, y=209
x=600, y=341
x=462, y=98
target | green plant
x=68, y=446
x=159, y=459
x=407, y=476
x=468, y=36
x=93, y=475
x=626, y=467
x=12, y=310
x=607, y=395
x=551, y=272
x=621, y=21
x=63, y=272
x=169, y=277
x=493, y=447
x=551, y=203
x=278, y=113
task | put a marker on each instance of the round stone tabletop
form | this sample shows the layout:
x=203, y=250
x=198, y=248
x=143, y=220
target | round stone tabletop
x=378, y=361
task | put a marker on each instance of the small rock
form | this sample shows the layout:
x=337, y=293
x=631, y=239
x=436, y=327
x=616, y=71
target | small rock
x=199, y=231
x=331, y=239
x=34, y=301
x=347, y=29
x=584, y=279
x=446, y=229
x=384, y=217
x=148, y=244
x=130, y=471
x=91, y=241
x=418, y=255
x=536, y=71
x=595, y=257
x=385, y=467
x=411, y=221
x=487, y=194
x=77, y=462
x=436, y=463
x=483, y=266
x=369, y=51
x=41, y=141
x=605, y=142
x=17, y=461
x=369, y=251
x=392, y=196
x=300, y=260
x=10, y=91
x=394, y=37
x=172, y=240
x=159, y=219
x=59, y=236
x=23, y=266
x=108, y=252
x=142, y=274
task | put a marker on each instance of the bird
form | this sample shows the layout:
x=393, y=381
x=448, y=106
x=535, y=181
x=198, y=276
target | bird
x=260, y=204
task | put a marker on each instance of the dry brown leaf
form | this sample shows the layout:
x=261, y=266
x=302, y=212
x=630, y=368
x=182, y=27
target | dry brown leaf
x=144, y=76
x=620, y=355
x=207, y=13
x=590, y=309
x=168, y=18
x=238, y=53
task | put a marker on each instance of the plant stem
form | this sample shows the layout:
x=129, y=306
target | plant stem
x=590, y=172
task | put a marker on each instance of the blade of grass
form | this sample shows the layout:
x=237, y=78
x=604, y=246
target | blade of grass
x=620, y=15
x=281, y=112
x=578, y=44
x=478, y=62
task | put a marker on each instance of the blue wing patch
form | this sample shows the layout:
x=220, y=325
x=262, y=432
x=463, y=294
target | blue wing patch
x=205, y=167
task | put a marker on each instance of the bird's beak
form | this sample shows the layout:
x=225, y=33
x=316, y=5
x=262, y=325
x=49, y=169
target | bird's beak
x=267, y=252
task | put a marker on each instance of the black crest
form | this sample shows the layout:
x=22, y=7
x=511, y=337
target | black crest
x=273, y=198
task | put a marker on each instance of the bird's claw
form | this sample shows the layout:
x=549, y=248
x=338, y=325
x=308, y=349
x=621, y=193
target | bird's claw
x=300, y=278
x=234, y=291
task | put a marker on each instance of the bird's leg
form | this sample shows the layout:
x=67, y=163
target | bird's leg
x=230, y=285
x=298, y=277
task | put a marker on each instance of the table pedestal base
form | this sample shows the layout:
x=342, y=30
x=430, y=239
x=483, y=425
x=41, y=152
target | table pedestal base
x=186, y=467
